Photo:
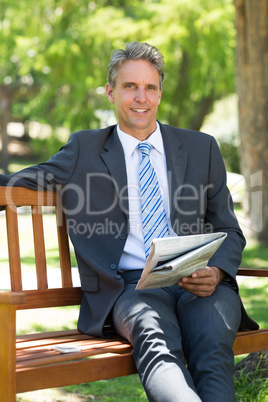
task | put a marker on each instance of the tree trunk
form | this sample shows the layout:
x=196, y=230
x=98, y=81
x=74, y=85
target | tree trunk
x=252, y=88
x=182, y=87
x=5, y=118
x=204, y=107
x=254, y=361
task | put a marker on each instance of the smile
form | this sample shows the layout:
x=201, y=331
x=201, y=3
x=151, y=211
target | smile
x=140, y=110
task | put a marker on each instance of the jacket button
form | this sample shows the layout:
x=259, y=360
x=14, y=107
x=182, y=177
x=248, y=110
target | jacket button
x=123, y=236
x=117, y=276
x=113, y=266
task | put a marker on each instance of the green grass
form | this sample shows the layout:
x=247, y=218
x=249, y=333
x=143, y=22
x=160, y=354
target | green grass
x=47, y=319
x=255, y=256
x=126, y=389
x=251, y=387
x=254, y=293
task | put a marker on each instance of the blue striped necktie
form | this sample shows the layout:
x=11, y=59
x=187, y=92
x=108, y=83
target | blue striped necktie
x=154, y=219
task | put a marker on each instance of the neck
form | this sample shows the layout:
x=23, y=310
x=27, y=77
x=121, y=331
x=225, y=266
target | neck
x=140, y=135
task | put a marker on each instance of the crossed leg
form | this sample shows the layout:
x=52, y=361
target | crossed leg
x=168, y=324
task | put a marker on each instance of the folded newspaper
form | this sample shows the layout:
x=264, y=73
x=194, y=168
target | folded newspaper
x=172, y=258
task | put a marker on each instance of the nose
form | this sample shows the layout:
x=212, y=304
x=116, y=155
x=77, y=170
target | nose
x=140, y=95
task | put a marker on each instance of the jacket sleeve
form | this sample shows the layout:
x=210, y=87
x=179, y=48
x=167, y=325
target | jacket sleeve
x=49, y=175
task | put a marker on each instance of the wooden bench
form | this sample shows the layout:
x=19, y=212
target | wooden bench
x=28, y=362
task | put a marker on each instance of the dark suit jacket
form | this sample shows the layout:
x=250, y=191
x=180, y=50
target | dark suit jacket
x=90, y=172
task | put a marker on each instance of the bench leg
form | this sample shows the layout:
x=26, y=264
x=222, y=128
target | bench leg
x=8, y=352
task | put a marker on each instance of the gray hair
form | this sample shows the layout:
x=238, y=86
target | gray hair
x=136, y=51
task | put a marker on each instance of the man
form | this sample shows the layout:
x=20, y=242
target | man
x=100, y=173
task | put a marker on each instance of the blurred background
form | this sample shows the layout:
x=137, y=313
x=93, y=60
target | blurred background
x=54, y=57
x=53, y=62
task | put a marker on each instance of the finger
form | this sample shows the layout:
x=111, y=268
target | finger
x=203, y=273
x=201, y=290
x=203, y=283
x=199, y=281
x=198, y=286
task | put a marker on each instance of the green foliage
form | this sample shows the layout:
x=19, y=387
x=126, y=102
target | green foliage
x=46, y=147
x=199, y=49
x=230, y=154
x=54, y=55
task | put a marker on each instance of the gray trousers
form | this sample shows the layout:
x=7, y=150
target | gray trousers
x=167, y=326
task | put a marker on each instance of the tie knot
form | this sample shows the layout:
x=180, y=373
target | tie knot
x=145, y=148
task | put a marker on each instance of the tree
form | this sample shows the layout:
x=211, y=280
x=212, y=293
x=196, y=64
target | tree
x=55, y=57
x=252, y=88
x=198, y=45
x=17, y=28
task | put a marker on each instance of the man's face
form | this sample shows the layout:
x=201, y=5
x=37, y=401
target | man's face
x=136, y=97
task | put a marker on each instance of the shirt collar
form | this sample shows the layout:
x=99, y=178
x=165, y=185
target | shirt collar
x=130, y=143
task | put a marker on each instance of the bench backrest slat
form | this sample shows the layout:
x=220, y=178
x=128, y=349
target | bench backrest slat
x=39, y=247
x=13, y=197
x=13, y=249
x=64, y=250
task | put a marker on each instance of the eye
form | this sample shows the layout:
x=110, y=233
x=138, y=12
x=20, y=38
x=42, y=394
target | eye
x=129, y=85
x=152, y=87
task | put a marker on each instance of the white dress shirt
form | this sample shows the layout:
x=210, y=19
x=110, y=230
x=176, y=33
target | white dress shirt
x=133, y=256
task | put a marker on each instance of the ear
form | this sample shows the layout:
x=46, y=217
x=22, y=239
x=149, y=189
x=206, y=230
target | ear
x=110, y=93
x=160, y=94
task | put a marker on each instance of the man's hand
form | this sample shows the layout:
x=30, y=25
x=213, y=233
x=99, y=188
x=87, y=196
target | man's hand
x=203, y=282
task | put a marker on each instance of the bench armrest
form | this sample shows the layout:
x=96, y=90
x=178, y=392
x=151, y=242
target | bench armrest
x=259, y=272
x=12, y=298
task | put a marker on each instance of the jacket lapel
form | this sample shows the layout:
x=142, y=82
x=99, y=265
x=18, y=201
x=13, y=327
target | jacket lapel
x=176, y=164
x=114, y=159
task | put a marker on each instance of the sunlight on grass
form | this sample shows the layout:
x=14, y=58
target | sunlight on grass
x=47, y=319
x=255, y=256
x=254, y=294
x=125, y=389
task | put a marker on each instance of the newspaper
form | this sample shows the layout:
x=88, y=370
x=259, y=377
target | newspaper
x=172, y=258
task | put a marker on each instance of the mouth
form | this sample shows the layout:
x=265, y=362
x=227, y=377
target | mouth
x=139, y=110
